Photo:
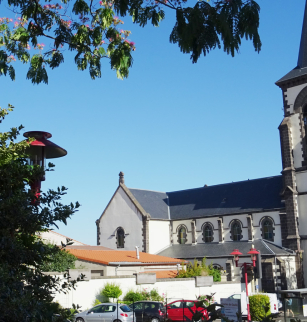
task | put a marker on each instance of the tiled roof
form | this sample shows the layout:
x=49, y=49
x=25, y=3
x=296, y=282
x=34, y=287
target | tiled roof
x=216, y=250
x=231, y=198
x=121, y=256
x=164, y=274
x=88, y=247
x=155, y=203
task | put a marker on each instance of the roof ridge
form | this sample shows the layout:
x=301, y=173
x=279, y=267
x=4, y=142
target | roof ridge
x=147, y=190
x=52, y=231
x=224, y=184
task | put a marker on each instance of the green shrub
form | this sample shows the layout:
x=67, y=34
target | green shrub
x=197, y=269
x=132, y=296
x=111, y=290
x=143, y=295
x=96, y=302
x=259, y=306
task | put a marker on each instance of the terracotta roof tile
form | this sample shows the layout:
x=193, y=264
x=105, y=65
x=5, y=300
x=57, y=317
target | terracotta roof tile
x=120, y=256
x=164, y=274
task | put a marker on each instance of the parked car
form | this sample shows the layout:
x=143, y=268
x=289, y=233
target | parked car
x=148, y=311
x=106, y=312
x=183, y=310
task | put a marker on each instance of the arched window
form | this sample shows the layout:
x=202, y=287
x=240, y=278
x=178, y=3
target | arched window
x=267, y=229
x=120, y=238
x=236, y=231
x=207, y=233
x=182, y=235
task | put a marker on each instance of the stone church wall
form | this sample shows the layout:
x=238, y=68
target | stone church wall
x=121, y=212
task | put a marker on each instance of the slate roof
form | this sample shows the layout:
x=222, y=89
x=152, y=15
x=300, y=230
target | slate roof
x=211, y=250
x=155, y=203
x=123, y=257
x=231, y=198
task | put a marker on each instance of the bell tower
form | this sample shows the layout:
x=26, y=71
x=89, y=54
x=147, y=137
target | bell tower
x=293, y=139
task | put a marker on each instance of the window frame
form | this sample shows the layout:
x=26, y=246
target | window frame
x=270, y=231
x=236, y=235
x=208, y=227
x=120, y=237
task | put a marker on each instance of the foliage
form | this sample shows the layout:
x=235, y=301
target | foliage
x=91, y=30
x=96, y=302
x=207, y=300
x=111, y=290
x=195, y=269
x=132, y=296
x=144, y=295
x=26, y=293
x=259, y=305
x=58, y=261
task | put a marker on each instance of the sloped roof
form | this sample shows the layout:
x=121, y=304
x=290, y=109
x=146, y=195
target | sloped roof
x=301, y=68
x=164, y=274
x=155, y=203
x=230, y=198
x=217, y=250
x=88, y=247
x=123, y=257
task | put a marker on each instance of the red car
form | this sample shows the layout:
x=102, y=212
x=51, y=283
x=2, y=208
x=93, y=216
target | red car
x=183, y=310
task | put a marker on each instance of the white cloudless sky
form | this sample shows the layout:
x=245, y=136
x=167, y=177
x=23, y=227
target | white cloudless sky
x=172, y=125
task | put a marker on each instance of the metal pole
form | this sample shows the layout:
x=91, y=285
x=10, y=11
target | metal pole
x=246, y=286
x=165, y=314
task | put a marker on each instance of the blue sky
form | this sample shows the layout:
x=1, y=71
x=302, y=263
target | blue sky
x=172, y=125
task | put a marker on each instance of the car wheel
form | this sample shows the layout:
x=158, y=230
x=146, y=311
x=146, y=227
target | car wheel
x=155, y=320
x=79, y=320
x=117, y=321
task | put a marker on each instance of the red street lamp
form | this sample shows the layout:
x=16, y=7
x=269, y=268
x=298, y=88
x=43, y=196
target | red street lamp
x=253, y=252
x=39, y=150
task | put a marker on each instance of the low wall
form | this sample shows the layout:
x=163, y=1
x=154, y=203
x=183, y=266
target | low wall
x=174, y=288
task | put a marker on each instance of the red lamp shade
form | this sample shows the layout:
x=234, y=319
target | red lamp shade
x=236, y=255
x=39, y=150
x=253, y=252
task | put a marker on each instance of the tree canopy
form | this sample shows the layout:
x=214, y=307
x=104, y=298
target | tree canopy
x=58, y=261
x=26, y=293
x=93, y=31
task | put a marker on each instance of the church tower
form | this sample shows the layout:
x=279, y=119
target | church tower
x=293, y=139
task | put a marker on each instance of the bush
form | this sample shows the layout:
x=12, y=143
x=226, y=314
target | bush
x=144, y=295
x=111, y=290
x=202, y=269
x=96, y=302
x=259, y=306
x=132, y=296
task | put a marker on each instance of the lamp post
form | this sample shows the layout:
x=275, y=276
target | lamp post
x=39, y=150
x=253, y=252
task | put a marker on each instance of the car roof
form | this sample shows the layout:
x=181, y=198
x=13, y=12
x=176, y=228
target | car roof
x=145, y=301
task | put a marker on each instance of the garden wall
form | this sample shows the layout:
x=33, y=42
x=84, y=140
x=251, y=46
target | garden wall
x=174, y=288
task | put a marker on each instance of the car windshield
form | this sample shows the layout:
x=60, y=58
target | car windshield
x=125, y=308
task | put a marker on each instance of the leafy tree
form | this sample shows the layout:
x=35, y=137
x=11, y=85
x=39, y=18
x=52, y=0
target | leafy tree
x=26, y=293
x=58, y=261
x=92, y=31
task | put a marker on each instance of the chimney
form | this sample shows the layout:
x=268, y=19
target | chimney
x=137, y=252
x=121, y=178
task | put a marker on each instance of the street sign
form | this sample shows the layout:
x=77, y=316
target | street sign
x=230, y=309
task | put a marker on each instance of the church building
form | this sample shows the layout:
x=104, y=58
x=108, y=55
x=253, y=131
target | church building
x=211, y=221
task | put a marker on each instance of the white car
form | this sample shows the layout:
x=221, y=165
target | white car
x=107, y=312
